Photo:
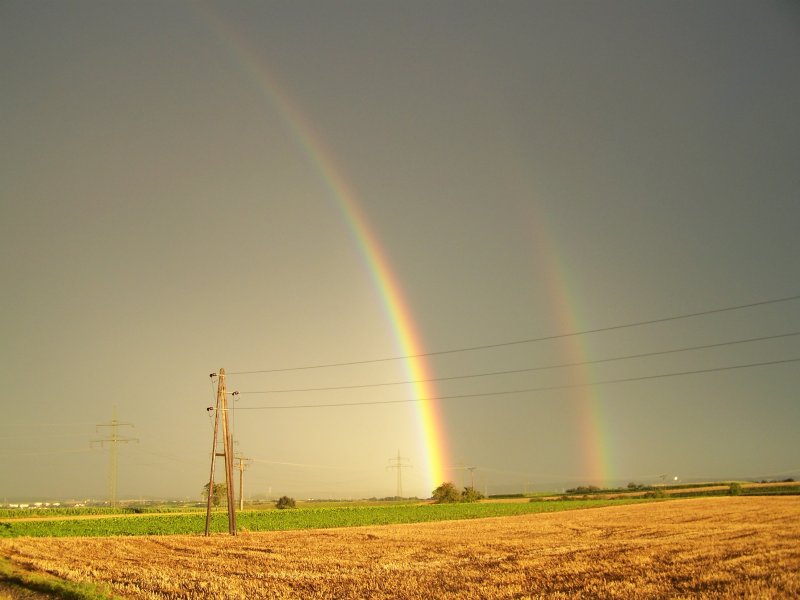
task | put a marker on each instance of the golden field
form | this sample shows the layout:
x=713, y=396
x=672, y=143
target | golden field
x=725, y=547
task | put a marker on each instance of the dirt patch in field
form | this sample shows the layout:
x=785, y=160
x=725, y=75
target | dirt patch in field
x=729, y=547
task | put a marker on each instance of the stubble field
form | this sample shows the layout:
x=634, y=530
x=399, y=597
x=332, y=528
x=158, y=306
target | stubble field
x=709, y=548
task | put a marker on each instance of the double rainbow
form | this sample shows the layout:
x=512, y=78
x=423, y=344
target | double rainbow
x=428, y=415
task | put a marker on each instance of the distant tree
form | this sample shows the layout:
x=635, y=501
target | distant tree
x=470, y=494
x=584, y=489
x=735, y=488
x=220, y=492
x=285, y=502
x=446, y=493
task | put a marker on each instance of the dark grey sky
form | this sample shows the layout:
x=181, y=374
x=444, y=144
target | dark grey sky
x=529, y=168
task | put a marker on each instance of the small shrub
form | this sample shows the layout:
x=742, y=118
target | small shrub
x=470, y=494
x=656, y=493
x=285, y=502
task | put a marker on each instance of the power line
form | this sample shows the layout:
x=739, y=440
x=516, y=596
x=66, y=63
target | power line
x=35, y=435
x=528, y=340
x=161, y=455
x=293, y=464
x=16, y=426
x=529, y=369
x=526, y=390
x=48, y=452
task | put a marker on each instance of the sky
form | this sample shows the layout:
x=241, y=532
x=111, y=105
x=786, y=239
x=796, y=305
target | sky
x=261, y=186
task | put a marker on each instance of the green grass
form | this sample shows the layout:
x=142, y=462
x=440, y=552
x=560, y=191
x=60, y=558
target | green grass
x=278, y=520
x=50, y=585
x=787, y=490
x=783, y=490
x=11, y=513
x=690, y=490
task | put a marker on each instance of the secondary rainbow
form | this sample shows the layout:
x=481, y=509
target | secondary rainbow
x=596, y=452
x=428, y=415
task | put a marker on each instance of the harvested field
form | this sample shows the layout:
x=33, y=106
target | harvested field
x=710, y=548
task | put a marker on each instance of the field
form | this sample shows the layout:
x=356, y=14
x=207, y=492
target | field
x=275, y=520
x=727, y=547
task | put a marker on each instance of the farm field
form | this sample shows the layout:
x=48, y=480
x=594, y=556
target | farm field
x=276, y=520
x=727, y=547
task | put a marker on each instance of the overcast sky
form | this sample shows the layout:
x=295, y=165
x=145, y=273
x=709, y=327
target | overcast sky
x=530, y=169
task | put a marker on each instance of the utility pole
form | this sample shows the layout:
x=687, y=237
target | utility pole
x=472, y=476
x=113, y=439
x=397, y=463
x=221, y=410
x=242, y=466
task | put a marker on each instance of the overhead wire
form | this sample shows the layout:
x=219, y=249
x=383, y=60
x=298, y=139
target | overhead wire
x=48, y=452
x=527, y=340
x=293, y=464
x=528, y=369
x=36, y=435
x=530, y=389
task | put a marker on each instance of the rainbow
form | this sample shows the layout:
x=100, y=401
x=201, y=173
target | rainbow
x=429, y=418
x=595, y=447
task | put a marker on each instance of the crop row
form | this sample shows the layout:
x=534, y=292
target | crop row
x=44, y=513
x=273, y=520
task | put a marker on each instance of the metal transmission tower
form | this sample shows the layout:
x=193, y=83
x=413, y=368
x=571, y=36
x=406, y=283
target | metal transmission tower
x=114, y=439
x=221, y=413
x=397, y=463
x=242, y=466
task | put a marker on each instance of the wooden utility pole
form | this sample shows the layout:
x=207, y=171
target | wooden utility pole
x=221, y=410
x=242, y=466
x=114, y=439
x=472, y=476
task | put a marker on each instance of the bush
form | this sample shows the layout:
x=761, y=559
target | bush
x=470, y=494
x=735, y=488
x=656, y=493
x=584, y=489
x=446, y=493
x=285, y=502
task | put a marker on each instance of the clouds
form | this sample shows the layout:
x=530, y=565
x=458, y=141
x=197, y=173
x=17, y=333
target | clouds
x=527, y=169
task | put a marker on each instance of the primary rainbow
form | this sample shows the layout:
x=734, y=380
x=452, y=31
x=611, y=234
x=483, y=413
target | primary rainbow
x=428, y=415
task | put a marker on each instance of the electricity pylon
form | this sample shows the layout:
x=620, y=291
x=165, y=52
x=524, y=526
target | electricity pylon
x=113, y=439
x=397, y=463
x=221, y=413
